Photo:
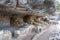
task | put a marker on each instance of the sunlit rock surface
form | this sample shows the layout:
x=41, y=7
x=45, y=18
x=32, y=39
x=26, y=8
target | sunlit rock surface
x=35, y=25
x=31, y=35
x=5, y=35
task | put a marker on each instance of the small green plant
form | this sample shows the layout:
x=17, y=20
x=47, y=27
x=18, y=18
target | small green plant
x=57, y=6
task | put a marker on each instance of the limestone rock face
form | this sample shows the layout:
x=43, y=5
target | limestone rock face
x=27, y=36
x=29, y=19
x=33, y=5
x=35, y=33
x=55, y=35
x=28, y=29
x=30, y=15
x=17, y=20
x=5, y=35
x=9, y=3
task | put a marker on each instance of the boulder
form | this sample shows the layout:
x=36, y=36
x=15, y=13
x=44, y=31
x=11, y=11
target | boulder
x=16, y=33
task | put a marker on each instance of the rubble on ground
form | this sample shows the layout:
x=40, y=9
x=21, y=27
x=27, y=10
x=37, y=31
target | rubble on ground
x=55, y=36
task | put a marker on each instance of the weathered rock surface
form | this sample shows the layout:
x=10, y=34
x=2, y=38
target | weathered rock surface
x=30, y=16
x=29, y=34
x=25, y=31
x=42, y=6
x=29, y=29
x=55, y=35
x=16, y=33
x=5, y=35
x=44, y=35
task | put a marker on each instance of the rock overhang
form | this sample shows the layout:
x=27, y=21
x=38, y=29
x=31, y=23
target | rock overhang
x=27, y=8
